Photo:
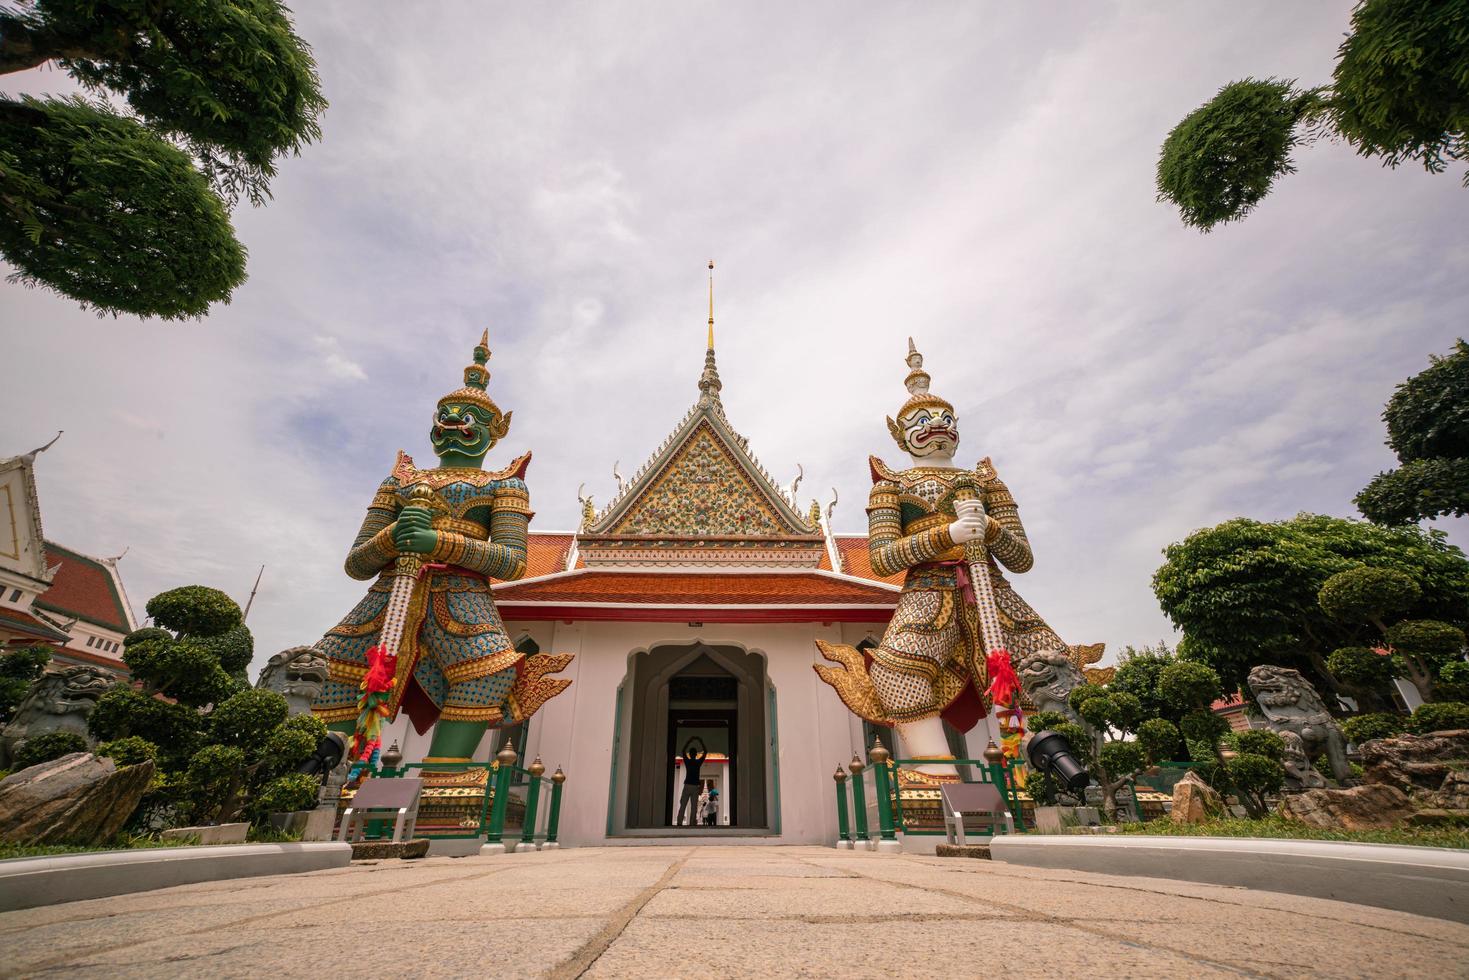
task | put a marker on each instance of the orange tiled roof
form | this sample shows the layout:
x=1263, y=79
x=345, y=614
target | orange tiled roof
x=696, y=588
x=546, y=553
x=83, y=588
x=853, y=549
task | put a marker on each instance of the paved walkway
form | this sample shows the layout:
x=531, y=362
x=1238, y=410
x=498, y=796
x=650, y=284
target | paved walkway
x=717, y=911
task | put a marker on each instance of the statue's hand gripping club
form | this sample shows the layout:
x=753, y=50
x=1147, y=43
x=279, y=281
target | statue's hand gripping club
x=413, y=533
x=969, y=530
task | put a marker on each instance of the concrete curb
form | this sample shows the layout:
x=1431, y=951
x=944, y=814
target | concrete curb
x=29, y=882
x=1432, y=881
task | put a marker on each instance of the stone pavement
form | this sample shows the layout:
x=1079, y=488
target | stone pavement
x=717, y=911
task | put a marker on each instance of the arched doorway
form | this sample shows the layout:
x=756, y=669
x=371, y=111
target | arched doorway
x=713, y=691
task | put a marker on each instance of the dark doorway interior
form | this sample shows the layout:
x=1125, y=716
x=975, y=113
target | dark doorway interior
x=717, y=692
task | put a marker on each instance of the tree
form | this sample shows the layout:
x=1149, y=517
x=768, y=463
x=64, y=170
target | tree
x=1428, y=428
x=1400, y=92
x=1256, y=771
x=1246, y=592
x=129, y=213
x=1419, y=648
x=18, y=669
x=218, y=743
x=1122, y=735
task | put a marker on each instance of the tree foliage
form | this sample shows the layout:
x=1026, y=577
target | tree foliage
x=1223, y=158
x=129, y=213
x=1400, y=92
x=1381, y=724
x=20, y=668
x=1428, y=428
x=1246, y=592
x=1441, y=716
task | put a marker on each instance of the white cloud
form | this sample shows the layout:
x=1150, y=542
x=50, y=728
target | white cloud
x=980, y=178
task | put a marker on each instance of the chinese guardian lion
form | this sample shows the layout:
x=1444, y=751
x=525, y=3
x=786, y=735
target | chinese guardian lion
x=929, y=521
x=427, y=639
x=61, y=700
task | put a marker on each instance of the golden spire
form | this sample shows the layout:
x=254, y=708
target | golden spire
x=709, y=383
x=711, y=304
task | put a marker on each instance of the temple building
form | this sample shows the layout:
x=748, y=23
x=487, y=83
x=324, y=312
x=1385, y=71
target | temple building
x=53, y=595
x=692, y=602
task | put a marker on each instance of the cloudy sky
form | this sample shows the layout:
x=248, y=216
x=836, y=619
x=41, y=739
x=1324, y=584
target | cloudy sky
x=979, y=176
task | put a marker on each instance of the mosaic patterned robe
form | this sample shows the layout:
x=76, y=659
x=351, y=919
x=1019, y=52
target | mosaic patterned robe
x=931, y=660
x=455, y=660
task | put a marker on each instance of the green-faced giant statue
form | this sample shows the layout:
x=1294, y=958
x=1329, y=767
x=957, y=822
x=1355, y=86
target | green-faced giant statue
x=433, y=539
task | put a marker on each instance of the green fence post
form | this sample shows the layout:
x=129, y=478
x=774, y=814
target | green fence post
x=880, y=755
x=1003, y=778
x=859, y=802
x=554, y=818
x=504, y=763
x=532, y=795
x=844, y=835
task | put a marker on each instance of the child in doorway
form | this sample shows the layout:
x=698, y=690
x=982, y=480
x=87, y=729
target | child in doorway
x=711, y=808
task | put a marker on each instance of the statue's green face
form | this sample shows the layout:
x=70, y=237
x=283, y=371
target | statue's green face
x=462, y=428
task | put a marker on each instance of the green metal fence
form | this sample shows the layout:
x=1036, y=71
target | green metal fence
x=886, y=803
x=539, y=796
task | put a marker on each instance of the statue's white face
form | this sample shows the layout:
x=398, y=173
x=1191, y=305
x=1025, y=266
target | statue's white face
x=929, y=433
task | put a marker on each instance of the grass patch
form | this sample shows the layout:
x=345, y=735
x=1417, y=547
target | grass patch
x=123, y=842
x=1278, y=827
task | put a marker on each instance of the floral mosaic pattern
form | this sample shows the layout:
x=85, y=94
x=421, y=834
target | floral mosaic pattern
x=703, y=491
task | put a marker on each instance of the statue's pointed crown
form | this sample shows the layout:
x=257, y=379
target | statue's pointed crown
x=476, y=377
x=917, y=384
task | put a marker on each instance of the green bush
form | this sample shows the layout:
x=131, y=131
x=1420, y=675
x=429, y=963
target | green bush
x=175, y=728
x=195, y=610
x=1084, y=692
x=1365, y=595
x=129, y=751
x=1120, y=758
x=286, y=794
x=293, y=742
x=1159, y=739
x=1254, y=777
x=1186, y=683
x=247, y=718
x=1427, y=638
x=212, y=781
x=1042, y=787
x=233, y=650
x=1361, y=667
x=1364, y=728
x=48, y=746
x=1440, y=716
x=1452, y=683
x=1261, y=742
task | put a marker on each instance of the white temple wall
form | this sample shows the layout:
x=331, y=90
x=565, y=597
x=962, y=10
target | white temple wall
x=813, y=728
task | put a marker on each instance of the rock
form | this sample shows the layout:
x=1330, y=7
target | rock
x=221, y=833
x=1195, y=801
x=1418, y=765
x=76, y=799
x=980, y=851
x=1452, y=793
x=1373, y=806
x=363, y=850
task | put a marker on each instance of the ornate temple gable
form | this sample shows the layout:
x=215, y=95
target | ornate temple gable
x=702, y=499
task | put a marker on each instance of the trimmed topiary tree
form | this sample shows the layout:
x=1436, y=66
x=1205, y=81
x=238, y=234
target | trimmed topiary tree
x=1256, y=771
x=1442, y=716
x=218, y=742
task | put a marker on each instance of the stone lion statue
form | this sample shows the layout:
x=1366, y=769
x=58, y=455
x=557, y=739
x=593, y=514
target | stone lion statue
x=59, y=701
x=1296, y=712
x=298, y=673
x=1048, y=677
